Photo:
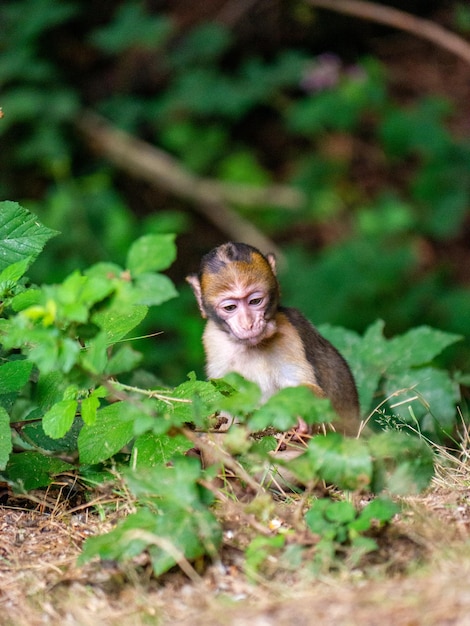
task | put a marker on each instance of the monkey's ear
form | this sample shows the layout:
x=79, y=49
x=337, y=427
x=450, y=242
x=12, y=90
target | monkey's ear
x=272, y=262
x=193, y=280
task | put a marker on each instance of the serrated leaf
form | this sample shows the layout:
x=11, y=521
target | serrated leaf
x=151, y=253
x=112, y=430
x=429, y=393
x=22, y=236
x=366, y=357
x=14, y=375
x=88, y=409
x=118, y=321
x=418, y=346
x=32, y=470
x=157, y=450
x=34, y=433
x=403, y=464
x=244, y=398
x=59, y=419
x=6, y=445
x=177, y=485
x=14, y=272
x=341, y=461
x=204, y=397
x=283, y=409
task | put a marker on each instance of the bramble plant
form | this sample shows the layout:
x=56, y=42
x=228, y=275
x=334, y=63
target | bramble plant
x=71, y=401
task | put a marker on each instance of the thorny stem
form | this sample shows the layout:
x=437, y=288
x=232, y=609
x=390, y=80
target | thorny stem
x=150, y=393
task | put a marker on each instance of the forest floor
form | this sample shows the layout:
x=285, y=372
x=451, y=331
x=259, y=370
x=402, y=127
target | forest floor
x=419, y=575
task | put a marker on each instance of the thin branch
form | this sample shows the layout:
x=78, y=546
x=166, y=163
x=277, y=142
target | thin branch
x=401, y=20
x=212, y=450
x=211, y=198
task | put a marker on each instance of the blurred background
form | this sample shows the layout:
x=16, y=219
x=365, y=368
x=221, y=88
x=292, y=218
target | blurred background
x=338, y=142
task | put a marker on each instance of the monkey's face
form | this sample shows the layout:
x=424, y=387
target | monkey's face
x=237, y=289
x=242, y=300
x=243, y=313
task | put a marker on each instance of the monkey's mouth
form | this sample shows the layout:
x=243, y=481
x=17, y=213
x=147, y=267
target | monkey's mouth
x=254, y=337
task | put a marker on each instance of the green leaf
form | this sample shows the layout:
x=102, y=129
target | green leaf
x=176, y=521
x=132, y=26
x=365, y=356
x=112, y=430
x=244, y=398
x=14, y=272
x=6, y=445
x=95, y=357
x=50, y=352
x=34, y=434
x=167, y=536
x=403, y=464
x=22, y=236
x=14, y=375
x=202, y=45
x=317, y=520
x=343, y=462
x=380, y=509
x=283, y=409
x=25, y=299
x=123, y=360
x=119, y=320
x=59, y=419
x=429, y=396
x=151, y=253
x=153, y=289
x=32, y=470
x=50, y=388
x=418, y=346
x=204, y=397
x=157, y=450
x=341, y=512
x=88, y=409
x=176, y=485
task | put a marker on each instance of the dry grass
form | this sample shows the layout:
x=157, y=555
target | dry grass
x=418, y=577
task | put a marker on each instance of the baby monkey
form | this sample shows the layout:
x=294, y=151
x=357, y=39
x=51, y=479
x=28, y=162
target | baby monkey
x=250, y=333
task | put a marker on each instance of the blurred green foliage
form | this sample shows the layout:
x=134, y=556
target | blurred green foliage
x=391, y=182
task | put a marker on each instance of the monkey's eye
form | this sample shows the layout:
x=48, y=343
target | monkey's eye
x=255, y=301
x=229, y=307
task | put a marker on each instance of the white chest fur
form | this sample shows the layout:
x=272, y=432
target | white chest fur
x=277, y=363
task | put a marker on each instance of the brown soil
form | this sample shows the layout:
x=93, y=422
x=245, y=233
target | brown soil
x=419, y=575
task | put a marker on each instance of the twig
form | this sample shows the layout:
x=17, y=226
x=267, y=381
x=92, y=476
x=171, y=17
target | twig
x=401, y=20
x=211, y=197
x=150, y=393
x=211, y=449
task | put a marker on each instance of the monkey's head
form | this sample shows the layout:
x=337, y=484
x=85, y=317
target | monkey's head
x=237, y=288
